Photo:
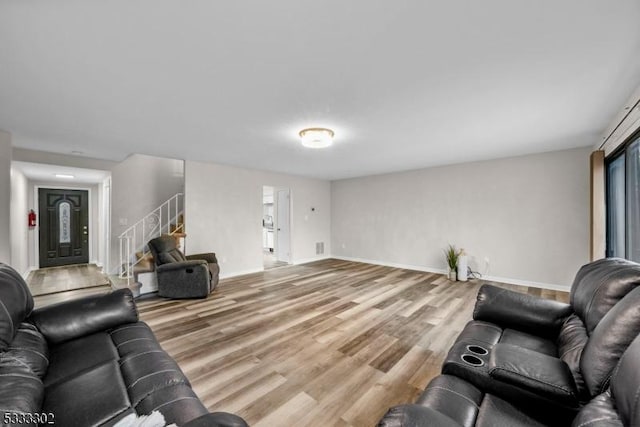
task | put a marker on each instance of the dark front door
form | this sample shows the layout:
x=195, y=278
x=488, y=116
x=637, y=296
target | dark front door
x=64, y=227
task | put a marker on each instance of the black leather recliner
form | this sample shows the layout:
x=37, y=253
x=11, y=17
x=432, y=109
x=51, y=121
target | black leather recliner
x=465, y=405
x=571, y=335
x=87, y=362
x=525, y=357
x=193, y=276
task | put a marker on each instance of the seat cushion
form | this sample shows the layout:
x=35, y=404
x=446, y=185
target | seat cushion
x=131, y=371
x=468, y=406
x=495, y=412
x=528, y=341
x=72, y=357
x=91, y=398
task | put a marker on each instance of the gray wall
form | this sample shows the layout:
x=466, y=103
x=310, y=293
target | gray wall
x=5, y=196
x=224, y=214
x=139, y=184
x=529, y=216
x=19, y=227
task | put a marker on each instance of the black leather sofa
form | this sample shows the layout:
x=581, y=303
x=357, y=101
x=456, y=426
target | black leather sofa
x=87, y=362
x=526, y=361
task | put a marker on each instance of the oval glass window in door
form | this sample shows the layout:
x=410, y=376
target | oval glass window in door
x=65, y=222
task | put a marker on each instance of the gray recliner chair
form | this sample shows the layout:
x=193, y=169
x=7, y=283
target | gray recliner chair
x=193, y=276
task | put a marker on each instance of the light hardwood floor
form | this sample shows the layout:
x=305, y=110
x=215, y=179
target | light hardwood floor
x=331, y=343
x=45, y=281
x=43, y=300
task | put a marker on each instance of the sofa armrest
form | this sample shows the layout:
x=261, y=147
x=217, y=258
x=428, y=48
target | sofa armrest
x=415, y=416
x=84, y=316
x=217, y=419
x=183, y=265
x=540, y=374
x=209, y=257
x=526, y=313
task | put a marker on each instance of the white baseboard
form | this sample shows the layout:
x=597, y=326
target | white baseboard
x=393, y=264
x=549, y=286
x=260, y=270
x=241, y=273
x=306, y=260
x=519, y=282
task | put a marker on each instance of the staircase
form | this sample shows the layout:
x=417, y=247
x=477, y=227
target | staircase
x=135, y=256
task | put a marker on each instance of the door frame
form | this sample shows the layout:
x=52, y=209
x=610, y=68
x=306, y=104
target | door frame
x=36, y=238
x=277, y=222
x=104, y=224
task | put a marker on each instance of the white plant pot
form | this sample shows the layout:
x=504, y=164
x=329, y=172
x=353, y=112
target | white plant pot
x=462, y=268
x=452, y=275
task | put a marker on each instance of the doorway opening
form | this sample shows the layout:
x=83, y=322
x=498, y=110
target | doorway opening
x=64, y=237
x=79, y=197
x=276, y=227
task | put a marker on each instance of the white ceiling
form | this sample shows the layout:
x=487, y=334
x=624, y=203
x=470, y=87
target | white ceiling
x=404, y=84
x=47, y=173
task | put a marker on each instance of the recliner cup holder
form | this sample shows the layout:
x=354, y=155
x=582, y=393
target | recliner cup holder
x=476, y=349
x=472, y=360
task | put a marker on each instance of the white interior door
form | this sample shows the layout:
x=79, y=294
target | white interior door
x=283, y=237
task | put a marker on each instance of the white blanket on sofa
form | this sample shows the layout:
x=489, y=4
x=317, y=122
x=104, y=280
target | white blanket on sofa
x=154, y=419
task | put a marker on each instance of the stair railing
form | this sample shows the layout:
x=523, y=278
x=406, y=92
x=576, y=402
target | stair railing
x=162, y=220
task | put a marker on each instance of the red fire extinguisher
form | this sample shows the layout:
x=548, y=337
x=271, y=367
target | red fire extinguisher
x=32, y=218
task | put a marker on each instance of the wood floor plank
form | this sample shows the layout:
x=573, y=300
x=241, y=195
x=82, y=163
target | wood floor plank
x=53, y=280
x=252, y=392
x=289, y=413
x=327, y=343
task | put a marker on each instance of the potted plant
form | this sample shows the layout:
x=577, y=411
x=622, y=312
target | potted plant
x=451, y=254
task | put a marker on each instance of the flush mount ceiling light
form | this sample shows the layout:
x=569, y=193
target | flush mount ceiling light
x=316, y=137
x=64, y=175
